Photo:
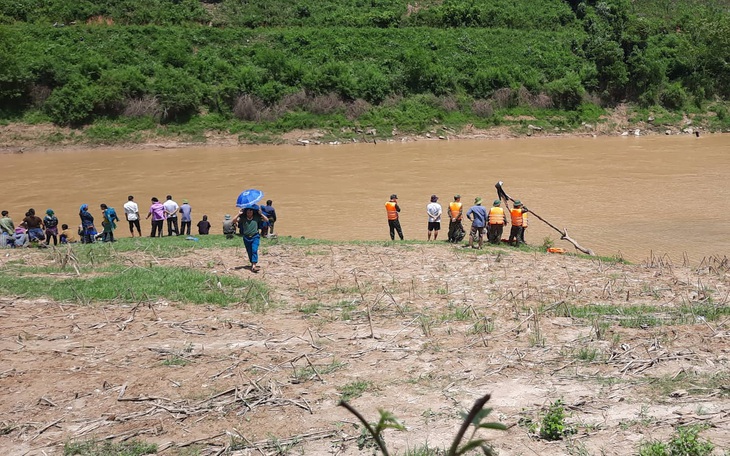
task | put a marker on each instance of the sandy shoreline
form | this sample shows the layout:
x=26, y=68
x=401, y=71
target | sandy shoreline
x=22, y=138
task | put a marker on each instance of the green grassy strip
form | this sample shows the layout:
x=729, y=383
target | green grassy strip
x=642, y=315
x=134, y=284
x=96, y=448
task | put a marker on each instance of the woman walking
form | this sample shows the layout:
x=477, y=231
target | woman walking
x=248, y=220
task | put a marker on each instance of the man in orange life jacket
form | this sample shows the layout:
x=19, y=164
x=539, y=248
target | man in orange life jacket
x=518, y=215
x=456, y=213
x=392, y=208
x=496, y=221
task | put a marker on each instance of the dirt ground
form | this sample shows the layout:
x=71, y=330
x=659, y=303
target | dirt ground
x=419, y=330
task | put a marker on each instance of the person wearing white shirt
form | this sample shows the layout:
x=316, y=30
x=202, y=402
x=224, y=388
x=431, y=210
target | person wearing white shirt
x=131, y=210
x=171, y=209
x=434, y=217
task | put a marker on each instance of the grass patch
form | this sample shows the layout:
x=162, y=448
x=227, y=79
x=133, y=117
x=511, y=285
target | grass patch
x=133, y=284
x=353, y=390
x=96, y=448
x=642, y=316
x=694, y=384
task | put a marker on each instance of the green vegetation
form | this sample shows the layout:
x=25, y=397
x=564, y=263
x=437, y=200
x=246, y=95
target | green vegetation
x=354, y=389
x=372, y=434
x=685, y=442
x=552, y=426
x=106, y=448
x=259, y=68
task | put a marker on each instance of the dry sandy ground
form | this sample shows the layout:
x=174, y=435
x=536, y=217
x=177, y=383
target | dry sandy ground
x=424, y=329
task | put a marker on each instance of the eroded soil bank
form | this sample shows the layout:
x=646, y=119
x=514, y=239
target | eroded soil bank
x=420, y=330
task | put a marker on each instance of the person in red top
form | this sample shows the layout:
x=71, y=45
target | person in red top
x=392, y=208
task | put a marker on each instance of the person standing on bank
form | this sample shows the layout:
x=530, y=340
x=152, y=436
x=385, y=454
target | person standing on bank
x=456, y=213
x=50, y=221
x=171, y=209
x=131, y=210
x=157, y=212
x=186, y=217
x=478, y=216
x=392, y=208
x=248, y=221
x=88, y=232
x=518, y=214
x=496, y=222
x=434, y=212
x=110, y=216
x=267, y=228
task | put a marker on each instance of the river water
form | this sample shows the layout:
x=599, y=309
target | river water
x=617, y=195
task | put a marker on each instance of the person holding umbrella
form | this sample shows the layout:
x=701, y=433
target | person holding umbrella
x=248, y=221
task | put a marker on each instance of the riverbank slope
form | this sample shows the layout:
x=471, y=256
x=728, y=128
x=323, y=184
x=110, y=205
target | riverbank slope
x=420, y=330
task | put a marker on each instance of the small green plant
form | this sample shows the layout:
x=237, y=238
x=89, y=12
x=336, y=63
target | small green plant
x=475, y=418
x=654, y=449
x=106, y=448
x=553, y=423
x=587, y=354
x=687, y=442
x=547, y=243
x=175, y=360
x=354, y=389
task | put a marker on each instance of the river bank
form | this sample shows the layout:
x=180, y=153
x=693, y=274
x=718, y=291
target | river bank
x=621, y=121
x=633, y=351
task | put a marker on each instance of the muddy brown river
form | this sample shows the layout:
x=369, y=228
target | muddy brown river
x=628, y=196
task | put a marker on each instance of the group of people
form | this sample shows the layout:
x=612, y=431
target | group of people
x=178, y=218
x=490, y=222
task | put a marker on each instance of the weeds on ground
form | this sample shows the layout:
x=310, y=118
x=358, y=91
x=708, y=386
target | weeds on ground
x=552, y=426
x=685, y=442
x=353, y=390
x=474, y=418
x=106, y=448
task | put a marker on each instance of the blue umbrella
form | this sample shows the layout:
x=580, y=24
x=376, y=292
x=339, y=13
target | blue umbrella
x=249, y=197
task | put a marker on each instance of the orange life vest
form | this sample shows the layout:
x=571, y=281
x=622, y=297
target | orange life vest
x=496, y=216
x=517, y=218
x=390, y=207
x=455, y=209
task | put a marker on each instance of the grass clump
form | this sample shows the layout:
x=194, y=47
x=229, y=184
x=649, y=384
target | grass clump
x=106, y=448
x=354, y=389
x=685, y=442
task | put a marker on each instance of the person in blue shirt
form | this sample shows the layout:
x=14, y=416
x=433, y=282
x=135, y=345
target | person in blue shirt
x=267, y=227
x=478, y=216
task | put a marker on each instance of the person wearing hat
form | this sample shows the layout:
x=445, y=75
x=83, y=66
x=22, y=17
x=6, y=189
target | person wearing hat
x=518, y=215
x=496, y=222
x=186, y=217
x=434, y=211
x=478, y=216
x=456, y=213
x=228, y=229
x=392, y=209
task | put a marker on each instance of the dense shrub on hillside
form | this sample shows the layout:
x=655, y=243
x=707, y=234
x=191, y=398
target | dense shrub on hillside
x=506, y=53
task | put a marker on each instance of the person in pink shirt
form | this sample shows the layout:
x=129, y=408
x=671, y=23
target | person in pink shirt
x=157, y=212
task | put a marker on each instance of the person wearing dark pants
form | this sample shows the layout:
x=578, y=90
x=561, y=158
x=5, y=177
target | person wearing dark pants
x=171, y=210
x=157, y=212
x=518, y=214
x=186, y=217
x=496, y=221
x=392, y=209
